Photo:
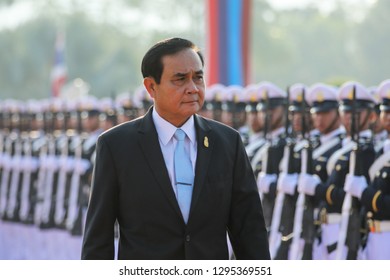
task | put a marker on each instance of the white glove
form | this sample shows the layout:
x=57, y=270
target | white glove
x=81, y=165
x=51, y=163
x=307, y=183
x=29, y=163
x=6, y=162
x=355, y=185
x=287, y=183
x=16, y=163
x=264, y=181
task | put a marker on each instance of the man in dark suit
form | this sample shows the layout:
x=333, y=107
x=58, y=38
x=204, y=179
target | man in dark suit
x=135, y=180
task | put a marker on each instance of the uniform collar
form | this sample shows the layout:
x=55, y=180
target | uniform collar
x=325, y=138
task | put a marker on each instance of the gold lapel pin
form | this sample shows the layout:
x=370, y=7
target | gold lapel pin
x=206, y=142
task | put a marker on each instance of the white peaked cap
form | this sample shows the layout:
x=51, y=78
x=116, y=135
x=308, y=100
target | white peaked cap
x=384, y=89
x=296, y=92
x=271, y=90
x=346, y=92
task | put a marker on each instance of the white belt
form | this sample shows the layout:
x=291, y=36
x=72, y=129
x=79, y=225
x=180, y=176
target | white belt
x=333, y=218
x=380, y=226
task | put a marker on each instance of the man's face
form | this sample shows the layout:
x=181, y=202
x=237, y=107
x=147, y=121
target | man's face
x=91, y=123
x=275, y=117
x=180, y=93
x=385, y=120
x=227, y=118
x=254, y=121
x=296, y=121
x=363, y=120
x=326, y=122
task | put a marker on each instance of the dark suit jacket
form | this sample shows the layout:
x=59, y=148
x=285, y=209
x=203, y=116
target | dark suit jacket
x=131, y=185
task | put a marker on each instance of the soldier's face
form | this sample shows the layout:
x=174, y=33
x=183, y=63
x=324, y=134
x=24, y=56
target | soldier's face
x=363, y=121
x=227, y=118
x=277, y=117
x=91, y=123
x=296, y=121
x=385, y=120
x=326, y=122
x=254, y=122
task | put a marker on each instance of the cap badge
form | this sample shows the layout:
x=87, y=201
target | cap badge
x=320, y=96
x=264, y=94
x=299, y=97
x=253, y=97
x=350, y=95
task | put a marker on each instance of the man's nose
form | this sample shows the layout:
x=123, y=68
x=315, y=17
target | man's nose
x=192, y=87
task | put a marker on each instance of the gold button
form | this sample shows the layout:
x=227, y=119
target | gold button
x=338, y=167
x=318, y=167
x=384, y=175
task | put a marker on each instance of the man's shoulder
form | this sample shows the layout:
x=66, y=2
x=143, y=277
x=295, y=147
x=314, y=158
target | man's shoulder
x=126, y=128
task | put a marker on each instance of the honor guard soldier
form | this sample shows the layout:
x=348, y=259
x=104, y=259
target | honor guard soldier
x=14, y=148
x=233, y=110
x=2, y=133
x=378, y=130
x=143, y=99
x=127, y=110
x=341, y=216
x=5, y=150
x=207, y=108
x=254, y=122
x=30, y=162
x=84, y=159
x=228, y=104
x=272, y=109
x=64, y=133
x=216, y=93
x=375, y=197
x=108, y=116
x=298, y=137
x=56, y=139
x=323, y=100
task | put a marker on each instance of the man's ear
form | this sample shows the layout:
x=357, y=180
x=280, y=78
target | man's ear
x=150, y=86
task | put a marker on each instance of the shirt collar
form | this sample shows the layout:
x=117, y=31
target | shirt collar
x=166, y=130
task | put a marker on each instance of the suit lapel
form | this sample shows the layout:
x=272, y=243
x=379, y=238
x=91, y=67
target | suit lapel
x=205, y=139
x=148, y=140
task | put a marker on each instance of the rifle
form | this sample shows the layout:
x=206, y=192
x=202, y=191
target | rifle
x=267, y=205
x=275, y=238
x=59, y=214
x=6, y=163
x=15, y=178
x=348, y=219
x=80, y=166
x=50, y=166
x=303, y=216
x=30, y=165
x=308, y=226
x=40, y=188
